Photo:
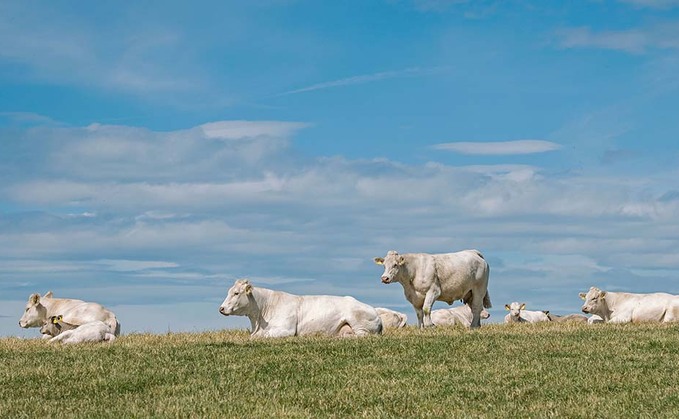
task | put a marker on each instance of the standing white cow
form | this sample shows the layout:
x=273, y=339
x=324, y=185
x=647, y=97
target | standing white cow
x=279, y=314
x=96, y=331
x=427, y=278
x=624, y=307
x=391, y=319
x=40, y=309
x=519, y=314
x=456, y=315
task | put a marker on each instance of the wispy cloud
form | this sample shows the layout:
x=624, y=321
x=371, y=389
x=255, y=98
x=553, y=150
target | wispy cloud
x=653, y=4
x=232, y=130
x=369, y=78
x=636, y=40
x=499, y=147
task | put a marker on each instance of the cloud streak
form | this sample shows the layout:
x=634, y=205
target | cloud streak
x=637, y=40
x=370, y=78
x=499, y=147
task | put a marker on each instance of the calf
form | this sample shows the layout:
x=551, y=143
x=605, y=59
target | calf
x=391, y=319
x=96, y=331
x=456, y=315
x=519, y=314
x=55, y=325
x=579, y=318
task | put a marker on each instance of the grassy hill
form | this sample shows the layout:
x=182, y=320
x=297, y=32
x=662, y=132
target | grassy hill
x=498, y=371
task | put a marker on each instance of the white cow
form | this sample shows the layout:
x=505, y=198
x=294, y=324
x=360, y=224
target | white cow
x=624, y=307
x=96, y=331
x=519, y=314
x=40, y=309
x=445, y=277
x=456, y=315
x=391, y=319
x=279, y=314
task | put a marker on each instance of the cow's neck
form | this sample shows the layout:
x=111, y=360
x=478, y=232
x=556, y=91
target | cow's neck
x=258, y=312
x=406, y=275
x=609, y=306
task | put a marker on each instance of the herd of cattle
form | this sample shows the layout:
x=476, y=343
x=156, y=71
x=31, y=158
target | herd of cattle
x=425, y=278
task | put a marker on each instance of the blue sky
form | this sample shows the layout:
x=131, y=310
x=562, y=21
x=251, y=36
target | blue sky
x=152, y=154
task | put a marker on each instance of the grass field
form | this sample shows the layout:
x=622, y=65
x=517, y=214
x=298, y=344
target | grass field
x=498, y=371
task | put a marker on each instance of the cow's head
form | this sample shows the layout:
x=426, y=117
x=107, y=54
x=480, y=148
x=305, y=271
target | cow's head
x=515, y=309
x=52, y=326
x=595, y=301
x=393, y=262
x=35, y=313
x=237, y=299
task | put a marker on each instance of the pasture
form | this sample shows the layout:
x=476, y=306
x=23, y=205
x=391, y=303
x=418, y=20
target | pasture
x=498, y=371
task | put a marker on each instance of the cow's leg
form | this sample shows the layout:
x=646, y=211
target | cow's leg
x=420, y=316
x=431, y=296
x=476, y=306
x=345, y=331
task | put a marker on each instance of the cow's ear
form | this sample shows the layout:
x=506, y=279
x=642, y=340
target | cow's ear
x=602, y=295
x=54, y=319
x=523, y=306
x=507, y=307
x=583, y=296
x=545, y=311
x=379, y=261
x=34, y=298
x=48, y=294
x=401, y=261
x=248, y=289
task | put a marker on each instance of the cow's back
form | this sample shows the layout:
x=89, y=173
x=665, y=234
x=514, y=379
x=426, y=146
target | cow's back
x=460, y=272
x=327, y=314
x=78, y=312
x=654, y=307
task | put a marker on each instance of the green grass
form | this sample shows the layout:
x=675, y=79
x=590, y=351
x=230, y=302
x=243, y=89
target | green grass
x=498, y=371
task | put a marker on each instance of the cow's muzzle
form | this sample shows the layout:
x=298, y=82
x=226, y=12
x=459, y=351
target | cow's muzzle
x=222, y=310
x=386, y=280
x=585, y=310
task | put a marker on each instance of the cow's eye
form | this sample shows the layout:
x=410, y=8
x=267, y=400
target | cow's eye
x=236, y=293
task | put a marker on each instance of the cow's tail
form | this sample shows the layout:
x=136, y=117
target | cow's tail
x=486, y=300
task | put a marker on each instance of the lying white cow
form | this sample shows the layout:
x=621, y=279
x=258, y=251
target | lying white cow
x=624, y=307
x=441, y=277
x=519, y=314
x=279, y=314
x=96, y=331
x=40, y=309
x=391, y=319
x=456, y=315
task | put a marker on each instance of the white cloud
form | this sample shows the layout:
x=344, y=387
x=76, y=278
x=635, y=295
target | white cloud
x=234, y=130
x=499, y=147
